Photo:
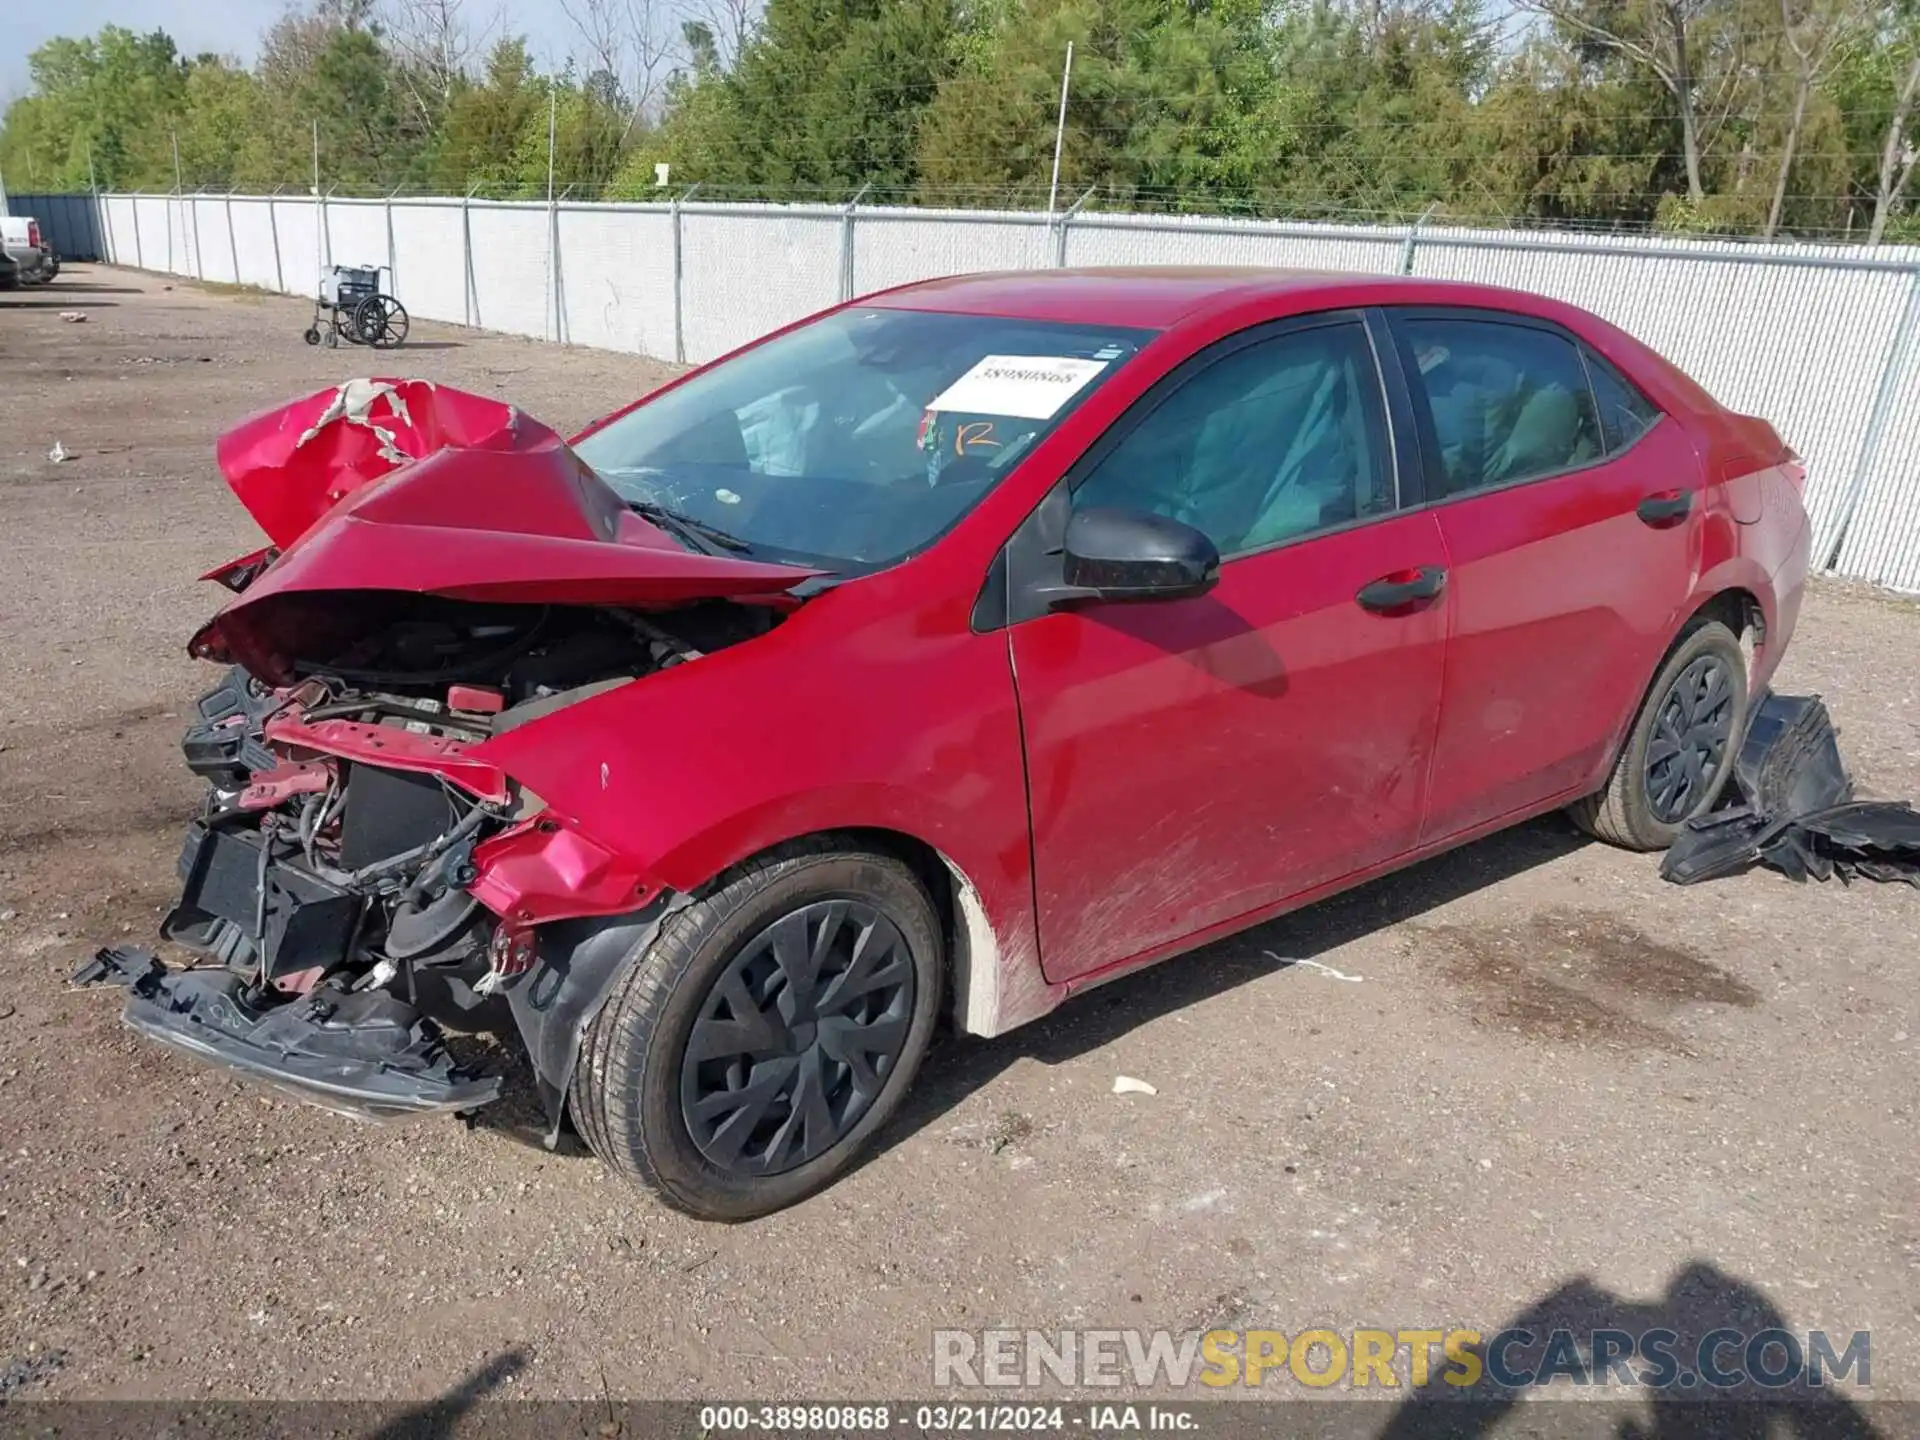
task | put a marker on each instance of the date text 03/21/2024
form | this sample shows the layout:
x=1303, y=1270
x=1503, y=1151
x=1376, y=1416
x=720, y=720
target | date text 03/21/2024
x=943, y=1419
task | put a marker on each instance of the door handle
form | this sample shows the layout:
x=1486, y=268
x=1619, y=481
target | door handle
x=1402, y=590
x=1669, y=507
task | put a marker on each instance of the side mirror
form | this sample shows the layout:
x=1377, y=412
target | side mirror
x=1116, y=554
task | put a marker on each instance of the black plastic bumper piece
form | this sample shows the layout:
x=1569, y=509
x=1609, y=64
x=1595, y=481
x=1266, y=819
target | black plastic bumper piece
x=574, y=971
x=1795, y=811
x=364, y=1054
x=223, y=744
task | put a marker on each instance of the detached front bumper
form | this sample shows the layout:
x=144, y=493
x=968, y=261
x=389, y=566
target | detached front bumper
x=366, y=1054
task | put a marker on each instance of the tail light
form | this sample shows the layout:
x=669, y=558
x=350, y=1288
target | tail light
x=33, y=234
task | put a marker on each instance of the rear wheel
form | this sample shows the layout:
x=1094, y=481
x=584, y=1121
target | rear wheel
x=379, y=321
x=1679, y=754
x=773, y=1025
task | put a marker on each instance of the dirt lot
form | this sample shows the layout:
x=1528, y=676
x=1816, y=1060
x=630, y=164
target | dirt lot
x=1554, y=1070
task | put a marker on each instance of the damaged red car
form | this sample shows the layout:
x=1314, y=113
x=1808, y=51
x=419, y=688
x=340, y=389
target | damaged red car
x=942, y=655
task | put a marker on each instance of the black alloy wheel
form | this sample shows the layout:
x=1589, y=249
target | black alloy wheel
x=797, y=1037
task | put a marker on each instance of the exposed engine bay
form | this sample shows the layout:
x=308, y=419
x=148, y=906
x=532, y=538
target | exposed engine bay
x=326, y=885
x=357, y=848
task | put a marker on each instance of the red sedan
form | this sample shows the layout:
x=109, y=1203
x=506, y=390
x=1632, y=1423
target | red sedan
x=953, y=651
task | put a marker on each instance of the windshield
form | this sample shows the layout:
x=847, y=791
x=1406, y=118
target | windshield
x=856, y=440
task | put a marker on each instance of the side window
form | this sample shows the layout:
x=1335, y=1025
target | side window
x=1625, y=414
x=1509, y=402
x=1278, y=439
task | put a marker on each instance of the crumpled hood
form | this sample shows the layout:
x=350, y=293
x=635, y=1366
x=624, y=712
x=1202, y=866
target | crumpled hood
x=404, y=485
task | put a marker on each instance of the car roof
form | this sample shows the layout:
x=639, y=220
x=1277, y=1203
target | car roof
x=1167, y=297
x=1148, y=296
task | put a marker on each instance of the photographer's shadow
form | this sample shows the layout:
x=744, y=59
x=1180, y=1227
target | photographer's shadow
x=1699, y=1300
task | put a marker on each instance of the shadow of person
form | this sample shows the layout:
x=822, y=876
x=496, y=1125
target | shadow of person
x=1705, y=1323
x=440, y=1417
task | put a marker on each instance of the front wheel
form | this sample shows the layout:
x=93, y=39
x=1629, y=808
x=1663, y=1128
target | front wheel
x=771, y=1028
x=1679, y=754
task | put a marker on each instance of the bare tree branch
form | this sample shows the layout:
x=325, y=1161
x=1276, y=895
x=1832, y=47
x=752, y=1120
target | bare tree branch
x=1663, y=45
x=1897, y=156
x=1817, y=33
x=630, y=41
x=731, y=23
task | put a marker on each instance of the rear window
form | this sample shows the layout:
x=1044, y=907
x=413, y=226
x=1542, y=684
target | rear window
x=1509, y=402
x=1625, y=414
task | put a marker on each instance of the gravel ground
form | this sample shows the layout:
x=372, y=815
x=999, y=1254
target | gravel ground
x=1557, y=1077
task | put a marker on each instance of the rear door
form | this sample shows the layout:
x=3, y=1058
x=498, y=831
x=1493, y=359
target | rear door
x=1190, y=761
x=1569, y=540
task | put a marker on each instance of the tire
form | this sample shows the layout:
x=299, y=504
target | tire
x=379, y=321
x=638, y=1100
x=1651, y=794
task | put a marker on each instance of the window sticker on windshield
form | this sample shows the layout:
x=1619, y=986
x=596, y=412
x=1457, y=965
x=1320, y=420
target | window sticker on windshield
x=1027, y=387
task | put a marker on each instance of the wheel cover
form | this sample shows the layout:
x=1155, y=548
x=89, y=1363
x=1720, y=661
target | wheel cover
x=1692, y=729
x=797, y=1037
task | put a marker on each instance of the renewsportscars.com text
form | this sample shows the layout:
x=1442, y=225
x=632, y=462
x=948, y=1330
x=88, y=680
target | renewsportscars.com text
x=1513, y=1358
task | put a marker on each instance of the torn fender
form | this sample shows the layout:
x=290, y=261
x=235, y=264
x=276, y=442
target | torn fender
x=401, y=485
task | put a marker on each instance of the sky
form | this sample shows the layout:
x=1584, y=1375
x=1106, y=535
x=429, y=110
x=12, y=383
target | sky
x=226, y=27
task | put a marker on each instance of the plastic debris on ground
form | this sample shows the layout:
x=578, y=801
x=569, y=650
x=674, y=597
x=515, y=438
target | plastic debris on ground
x=1127, y=1085
x=1789, y=806
x=1314, y=965
x=59, y=453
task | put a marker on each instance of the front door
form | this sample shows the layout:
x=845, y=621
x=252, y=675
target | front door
x=1190, y=761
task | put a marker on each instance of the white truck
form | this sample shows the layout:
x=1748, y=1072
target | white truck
x=34, y=260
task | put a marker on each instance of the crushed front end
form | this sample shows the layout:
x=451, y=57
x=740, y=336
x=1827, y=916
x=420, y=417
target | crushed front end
x=312, y=882
x=443, y=571
x=337, y=866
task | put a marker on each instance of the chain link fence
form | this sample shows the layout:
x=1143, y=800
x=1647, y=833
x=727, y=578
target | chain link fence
x=1825, y=342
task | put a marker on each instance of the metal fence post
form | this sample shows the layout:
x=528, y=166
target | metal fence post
x=556, y=283
x=393, y=268
x=233, y=244
x=553, y=229
x=273, y=230
x=1060, y=229
x=1413, y=238
x=466, y=256
x=679, y=305
x=846, y=241
x=139, y=250
x=1828, y=555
